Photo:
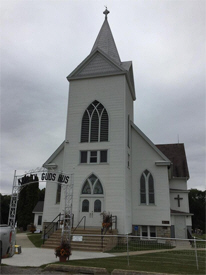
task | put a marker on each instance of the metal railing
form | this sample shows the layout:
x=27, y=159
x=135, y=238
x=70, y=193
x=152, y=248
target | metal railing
x=54, y=225
x=84, y=217
x=110, y=220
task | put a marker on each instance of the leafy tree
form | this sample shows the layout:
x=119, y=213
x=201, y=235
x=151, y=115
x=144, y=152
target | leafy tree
x=41, y=194
x=197, y=207
x=22, y=211
x=4, y=213
x=28, y=198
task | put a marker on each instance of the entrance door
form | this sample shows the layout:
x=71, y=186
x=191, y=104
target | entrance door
x=91, y=208
x=91, y=201
x=180, y=227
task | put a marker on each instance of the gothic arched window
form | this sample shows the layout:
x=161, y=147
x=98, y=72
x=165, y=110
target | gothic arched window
x=147, y=188
x=92, y=186
x=95, y=123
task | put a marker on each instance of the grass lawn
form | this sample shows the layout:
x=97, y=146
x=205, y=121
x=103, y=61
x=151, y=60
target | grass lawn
x=175, y=262
x=139, y=245
x=35, y=239
x=203, y=236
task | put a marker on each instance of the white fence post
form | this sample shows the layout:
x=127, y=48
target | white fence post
x=196, y=253
x=127, y=250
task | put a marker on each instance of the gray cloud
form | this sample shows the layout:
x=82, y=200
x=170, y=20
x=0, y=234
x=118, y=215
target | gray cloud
x=43, y=41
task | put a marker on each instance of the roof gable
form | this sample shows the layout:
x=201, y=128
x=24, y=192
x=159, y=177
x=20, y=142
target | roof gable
x=176, y=154
x=96, y=64
x=54, y=155
x=165, y=159
x=39, y=207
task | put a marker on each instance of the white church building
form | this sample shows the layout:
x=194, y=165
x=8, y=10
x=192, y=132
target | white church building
x=116, y=167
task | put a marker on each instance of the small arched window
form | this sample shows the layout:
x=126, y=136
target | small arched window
x=95, y=123
x=92, y=185
x=147, y=188
x=85, y=206
x=97, y=206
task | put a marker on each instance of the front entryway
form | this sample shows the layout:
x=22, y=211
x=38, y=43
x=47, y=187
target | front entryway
x=91, y=208
x=180, y=227
x=92, y=201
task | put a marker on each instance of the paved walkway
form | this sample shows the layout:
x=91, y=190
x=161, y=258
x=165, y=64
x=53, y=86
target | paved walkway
x=33, y=256
x=23, y=240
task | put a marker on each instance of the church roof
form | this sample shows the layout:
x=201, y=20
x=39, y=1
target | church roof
x=104, y=60
x=176, y=154
x=176, y=212
x=39, y=207
x=106, y=43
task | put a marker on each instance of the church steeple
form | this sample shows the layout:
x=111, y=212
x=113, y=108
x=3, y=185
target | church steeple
x=105, y=41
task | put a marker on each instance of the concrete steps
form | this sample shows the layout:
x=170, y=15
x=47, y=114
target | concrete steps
x=91, y=240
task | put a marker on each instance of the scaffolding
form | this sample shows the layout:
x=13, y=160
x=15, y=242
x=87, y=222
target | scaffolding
x=68, y=191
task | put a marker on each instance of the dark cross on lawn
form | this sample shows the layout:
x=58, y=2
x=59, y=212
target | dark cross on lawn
x=178, y=198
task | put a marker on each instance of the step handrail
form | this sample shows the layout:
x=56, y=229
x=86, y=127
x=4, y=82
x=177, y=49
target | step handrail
x=51, y=226
x=112, y=219
x=84, y=217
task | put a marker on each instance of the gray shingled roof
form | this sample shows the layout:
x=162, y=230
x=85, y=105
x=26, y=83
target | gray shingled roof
x=39, y=207
x=180, y=212
x=106, y=43
x=176, y=154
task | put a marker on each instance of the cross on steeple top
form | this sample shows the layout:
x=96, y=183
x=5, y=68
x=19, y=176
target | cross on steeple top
x=106, y=12
x=178, y=198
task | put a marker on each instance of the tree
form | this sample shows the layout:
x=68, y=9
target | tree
x=28, y=198
x=41, y=194
x=197, y=207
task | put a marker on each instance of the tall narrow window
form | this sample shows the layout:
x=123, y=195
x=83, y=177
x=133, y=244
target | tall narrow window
x=128, y=131
x=58, y=194
x=151, y=189
x=97, y=206
x=142, y=189
x=147, y=188
x=39, y=220
x=85, y=206
x=95, y=123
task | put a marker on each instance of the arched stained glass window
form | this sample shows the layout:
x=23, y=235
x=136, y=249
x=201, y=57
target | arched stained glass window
x=92, y=186
x=85, y=206
x=95, y=123
x=143, y=189
x=86, y=188
x=98, y=188
x=147, y=188
x=151, y=189
x=97, y=206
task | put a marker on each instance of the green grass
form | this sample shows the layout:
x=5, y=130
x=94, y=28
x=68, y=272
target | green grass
x=203, y=237
x=139, y=245
x=175, y=262
x=35, y=239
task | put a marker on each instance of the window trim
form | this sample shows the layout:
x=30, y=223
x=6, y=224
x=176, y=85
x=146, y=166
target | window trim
x=148, y=231
x=98, y=157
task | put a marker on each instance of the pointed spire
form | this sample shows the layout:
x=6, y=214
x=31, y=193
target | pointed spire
x=105, y=41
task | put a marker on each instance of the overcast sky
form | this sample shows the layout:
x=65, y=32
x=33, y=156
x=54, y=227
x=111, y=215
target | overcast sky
x=42, y=41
